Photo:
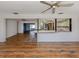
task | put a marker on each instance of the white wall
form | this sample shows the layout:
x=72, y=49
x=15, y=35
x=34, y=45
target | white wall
x=2, y=30
x=62, y=36
x=20, y=27
x=11, y=27
x=66, y=36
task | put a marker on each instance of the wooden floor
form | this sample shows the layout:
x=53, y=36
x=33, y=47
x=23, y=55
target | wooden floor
x=16, y=48
x=20, y=38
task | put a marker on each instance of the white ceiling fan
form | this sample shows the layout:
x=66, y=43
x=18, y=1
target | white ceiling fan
x=54, y=5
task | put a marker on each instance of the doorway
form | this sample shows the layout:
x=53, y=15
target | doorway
x=29, y=31
x=26, y=28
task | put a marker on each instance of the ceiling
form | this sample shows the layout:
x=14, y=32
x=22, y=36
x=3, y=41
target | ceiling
x=35, y=7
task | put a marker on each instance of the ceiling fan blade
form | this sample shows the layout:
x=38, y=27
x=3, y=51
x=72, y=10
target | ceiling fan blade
x=53, y=10
x=56, y=3
x=46, y=10
x=66, y=5
x=45, y=3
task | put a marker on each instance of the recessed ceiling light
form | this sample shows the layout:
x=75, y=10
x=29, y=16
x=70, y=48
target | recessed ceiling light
x=60, y=13
x=15, y=13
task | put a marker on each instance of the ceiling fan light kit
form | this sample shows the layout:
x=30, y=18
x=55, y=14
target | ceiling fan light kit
x=54, y=6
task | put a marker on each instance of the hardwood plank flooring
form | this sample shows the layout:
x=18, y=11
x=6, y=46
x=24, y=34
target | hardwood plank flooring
x=17, y=49
x=20, y=38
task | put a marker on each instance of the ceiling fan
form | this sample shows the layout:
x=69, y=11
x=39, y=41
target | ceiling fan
x=54, y=5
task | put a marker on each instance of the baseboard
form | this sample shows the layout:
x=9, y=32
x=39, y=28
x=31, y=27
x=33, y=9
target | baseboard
x=11, y=36
x=59, y=42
